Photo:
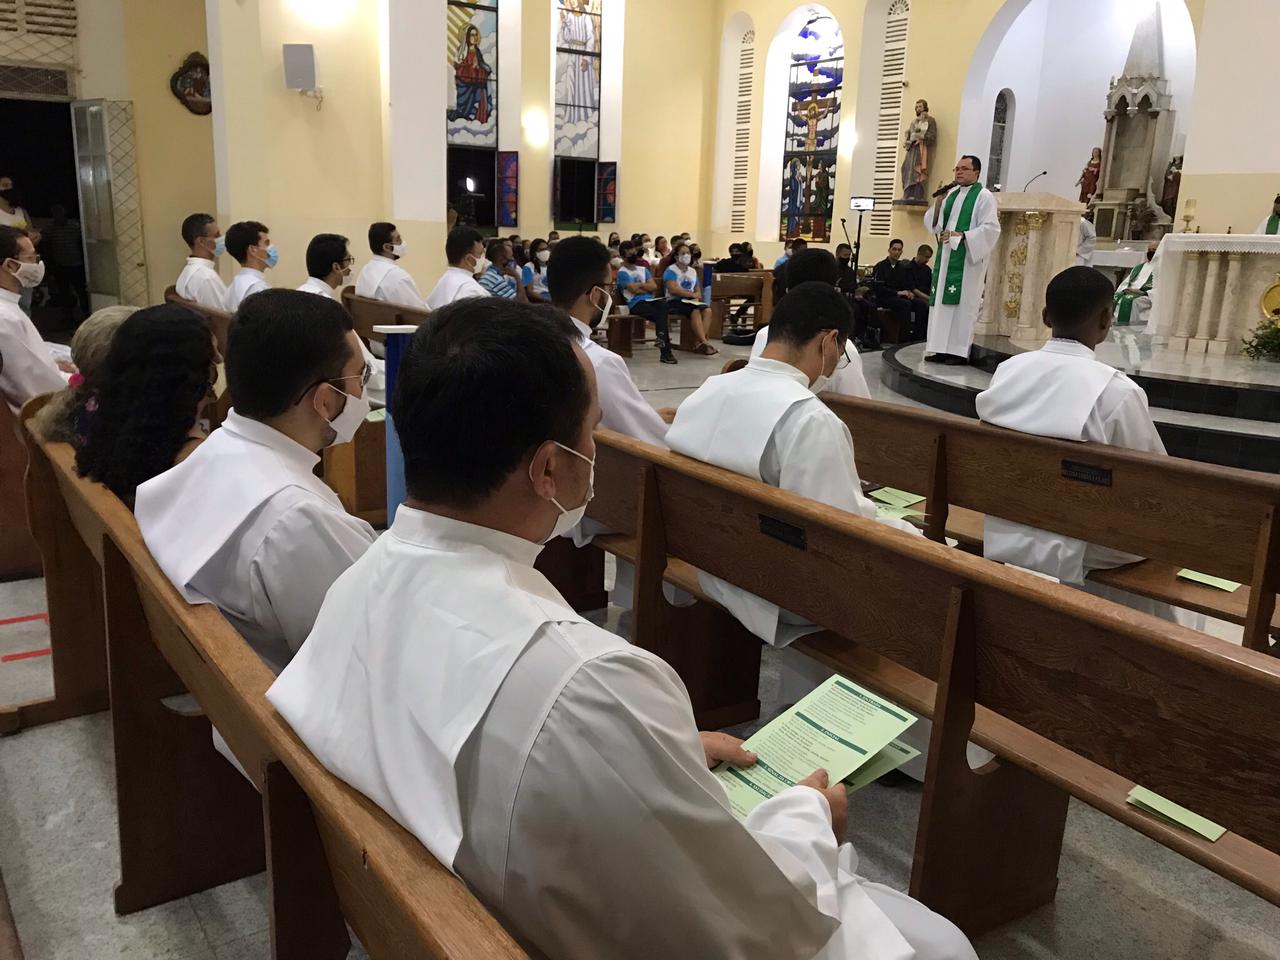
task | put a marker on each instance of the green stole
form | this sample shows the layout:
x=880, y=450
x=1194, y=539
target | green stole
x=1124, y=302
x=955, y=264
x=1273, y=225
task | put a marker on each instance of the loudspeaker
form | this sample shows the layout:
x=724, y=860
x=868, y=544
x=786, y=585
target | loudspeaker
x=300, y=66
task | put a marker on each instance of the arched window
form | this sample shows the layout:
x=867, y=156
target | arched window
x=1001, y=137
x=812, y=128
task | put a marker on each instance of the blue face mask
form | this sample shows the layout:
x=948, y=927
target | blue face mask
x=219, y=247
x=273, y=256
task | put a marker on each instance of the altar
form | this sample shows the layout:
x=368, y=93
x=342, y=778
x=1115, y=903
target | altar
x=1209, y=289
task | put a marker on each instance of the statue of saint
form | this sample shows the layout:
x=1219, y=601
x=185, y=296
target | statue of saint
x=1089, y=177
x=922, y=134
x=1172, y=184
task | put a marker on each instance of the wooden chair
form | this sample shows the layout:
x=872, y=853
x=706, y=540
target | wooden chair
x=19, y=555
x=1177, y=513
x=1075, y=697
x=618, y=334
x=737, y=363
x=726, y=287
x=190, y=821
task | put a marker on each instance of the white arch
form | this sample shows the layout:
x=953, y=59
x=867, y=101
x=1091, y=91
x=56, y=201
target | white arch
x=773, y=124
x=1060, y=58
x=736, y=29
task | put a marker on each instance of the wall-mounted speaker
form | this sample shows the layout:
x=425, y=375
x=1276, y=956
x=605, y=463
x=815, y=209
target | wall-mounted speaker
x=300, y=66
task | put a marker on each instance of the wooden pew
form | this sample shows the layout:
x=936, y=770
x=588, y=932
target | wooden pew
x=219, y=321
x=70, y=543
x=190, y=821
x=357, y=472
x=1075, y=697
x=367, y=313
x=736, y=286
x=1178, y=513
x=19, y=555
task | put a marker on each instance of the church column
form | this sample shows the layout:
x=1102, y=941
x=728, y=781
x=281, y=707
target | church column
x=1187, y=302
x=1228, y=336
x=1028, y=321
x=1210, y=305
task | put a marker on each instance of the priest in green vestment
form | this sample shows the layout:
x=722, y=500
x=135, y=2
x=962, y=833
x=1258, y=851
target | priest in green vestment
x=1132, y=302
x=1271, y=225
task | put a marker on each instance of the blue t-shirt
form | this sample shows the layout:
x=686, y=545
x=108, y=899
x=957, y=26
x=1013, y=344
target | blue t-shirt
x=498, y=283
x=535, y=279
x=685, y=277
x=633, y=273
x=781, y=260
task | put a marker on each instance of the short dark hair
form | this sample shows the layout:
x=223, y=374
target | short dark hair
x=977, y=164
x=324, y=250
x=843, y=246
x=576, y=265
x=809, y=266
x=1076, y=296
x=243, y=235
x=807, y=309
x=735, y=248
x=145, y=395
x=282, y=343
x=799, y=242
x=193, y=227
x=9, y=237
x=897, y=241
x=496, y=245
x=924, y=248
x=485, y=367
x=380, y=235
x=459, y=243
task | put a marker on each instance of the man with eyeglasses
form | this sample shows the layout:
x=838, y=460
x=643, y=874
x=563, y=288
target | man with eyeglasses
x=329, y=263
x=244, y=522
x=766, y=422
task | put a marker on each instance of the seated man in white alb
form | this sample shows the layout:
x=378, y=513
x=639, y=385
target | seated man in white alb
x=820, y=266
x=549, y=763
x=329, y=263
x=1061, y=391
x=464, y=249
x=199, y=281
x=249, y=242
x=29, y=368
x=1131, y=303
x=244, y=522
x=382, y=278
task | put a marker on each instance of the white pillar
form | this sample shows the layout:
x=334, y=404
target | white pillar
x=1210, y=305
x=1228, y=335
x=1187, y=302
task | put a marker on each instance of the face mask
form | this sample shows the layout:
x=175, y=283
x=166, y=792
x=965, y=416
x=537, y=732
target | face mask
x=608, y=305
x=616, y=262
x=844, y=261
x=398, y=249
x=685, y=259
x=544, y=256
x=273, y=256
x=482, y=264
x=28, y=274
x=823, y=380
x=348, y=421
x=219, y=247
x=569, y=519
x=9, y=196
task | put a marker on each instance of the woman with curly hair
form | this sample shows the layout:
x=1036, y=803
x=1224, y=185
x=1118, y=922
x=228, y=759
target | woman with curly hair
x=139, y=412
x=56, y=421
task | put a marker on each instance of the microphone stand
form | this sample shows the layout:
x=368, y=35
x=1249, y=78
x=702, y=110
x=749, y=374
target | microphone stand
x=1042, y=173
x=857, y=247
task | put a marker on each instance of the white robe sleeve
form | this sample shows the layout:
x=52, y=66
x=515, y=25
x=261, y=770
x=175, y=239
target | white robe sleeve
x=399, y=287
x=28, y=369
x=815, y=452
x=622, y=406
x=930, y=224
x=618, y=769
x=308, y=548
x=984, y=230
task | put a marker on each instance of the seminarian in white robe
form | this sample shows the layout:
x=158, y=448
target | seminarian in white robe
x=29, y=368
x=247, y=281
x=376, y=388
x=849, y=380
x=199, y=282
x=455, y=284
x=557, y=769
x=384, y=279
x=622, y=407
x=1086, y=243
x=1061, y=391
x=244, y=523
x=951, y=325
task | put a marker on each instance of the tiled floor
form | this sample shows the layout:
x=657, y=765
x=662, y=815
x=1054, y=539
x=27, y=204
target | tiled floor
x=1121, y=896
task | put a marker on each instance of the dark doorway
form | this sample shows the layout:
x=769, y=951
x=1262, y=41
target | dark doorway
x=38, y=152
x=575, y=197
x=477, y=200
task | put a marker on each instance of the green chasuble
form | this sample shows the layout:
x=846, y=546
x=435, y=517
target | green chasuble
x=954, y=280
x=1273, y=225
x=1124, y=298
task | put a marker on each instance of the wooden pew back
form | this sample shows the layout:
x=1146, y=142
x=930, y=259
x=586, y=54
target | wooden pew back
x=367, y=313
x=398, y=898
x=219, y=321
x=19, y=557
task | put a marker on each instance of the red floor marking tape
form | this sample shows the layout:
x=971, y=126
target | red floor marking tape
x=25, y=655
x=27, y=619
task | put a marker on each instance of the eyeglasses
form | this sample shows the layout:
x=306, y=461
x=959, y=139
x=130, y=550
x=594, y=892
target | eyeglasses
x=844, y=360
x=365, y=375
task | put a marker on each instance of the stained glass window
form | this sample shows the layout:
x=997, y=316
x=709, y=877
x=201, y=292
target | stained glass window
x=471, y=115
x=577, y=88
x=508, y=188
x=606, y=192
x=813, y=127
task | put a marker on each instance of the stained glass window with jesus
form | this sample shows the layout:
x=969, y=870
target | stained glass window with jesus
x=813, y=127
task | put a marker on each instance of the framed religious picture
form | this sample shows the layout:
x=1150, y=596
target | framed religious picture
x=190, y=84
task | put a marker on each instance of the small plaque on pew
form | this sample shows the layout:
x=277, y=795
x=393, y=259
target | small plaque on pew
x=788, y=533
x=1086, y=473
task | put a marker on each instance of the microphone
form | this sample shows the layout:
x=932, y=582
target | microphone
x=1042, y=173
x=942, y=191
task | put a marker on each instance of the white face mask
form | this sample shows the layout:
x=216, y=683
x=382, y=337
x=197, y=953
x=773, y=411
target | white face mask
x=28, y=274
x=823, y=380
x=482, y=264
x=569, y=519
x=398, y=249
x=607, y=308
x=544, y=256
x=348, y=421
x=685, y=259
x=616, y=262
